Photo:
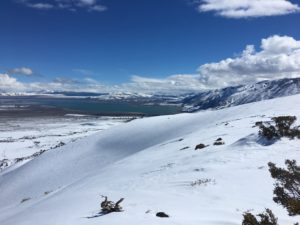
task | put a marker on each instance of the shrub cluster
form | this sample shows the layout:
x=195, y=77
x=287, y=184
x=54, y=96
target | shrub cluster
x=287, y=186
x=266, y=218
x=286, y=193
x=280, y=128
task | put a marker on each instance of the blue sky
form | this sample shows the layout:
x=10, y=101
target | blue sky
x=115, y=42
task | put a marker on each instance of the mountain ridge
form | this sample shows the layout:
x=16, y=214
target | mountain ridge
x=242, y=94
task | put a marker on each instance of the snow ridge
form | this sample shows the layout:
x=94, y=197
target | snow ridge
x=233, y=96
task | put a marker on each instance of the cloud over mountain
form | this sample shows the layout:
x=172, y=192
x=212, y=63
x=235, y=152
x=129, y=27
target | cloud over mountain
x=10, y=84
x=278, y=57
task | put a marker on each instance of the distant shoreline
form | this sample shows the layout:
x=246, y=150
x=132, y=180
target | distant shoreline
x=46, y=111
x=17, y=106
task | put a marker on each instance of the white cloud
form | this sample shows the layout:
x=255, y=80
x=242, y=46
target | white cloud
x=21, y=71
x=71, y=5
x=169, y=85
x=279, y=57
x=87, y=2
x=180, y=83
x=40, y=5
x=8, y=84
x=248, y=8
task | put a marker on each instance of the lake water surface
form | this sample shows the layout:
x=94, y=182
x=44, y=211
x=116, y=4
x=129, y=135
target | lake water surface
x=92, y=106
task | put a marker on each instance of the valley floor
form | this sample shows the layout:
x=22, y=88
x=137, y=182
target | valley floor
x=152, y=163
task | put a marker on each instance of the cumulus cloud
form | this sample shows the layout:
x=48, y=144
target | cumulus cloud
x=169, y=85
x=179, y=83
x=8, y=84
x=248, y=8
x=279, y=57
x=21, y=71
x=71, y=5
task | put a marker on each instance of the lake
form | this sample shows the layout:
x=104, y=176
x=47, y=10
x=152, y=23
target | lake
x=89, y=106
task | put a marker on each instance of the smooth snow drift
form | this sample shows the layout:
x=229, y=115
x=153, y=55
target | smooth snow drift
x=152, y=163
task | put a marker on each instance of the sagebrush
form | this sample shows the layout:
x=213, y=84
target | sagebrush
x=287, y=186
x=280, y=126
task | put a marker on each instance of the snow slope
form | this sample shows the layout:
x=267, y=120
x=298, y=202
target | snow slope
x=22, y=137
x=152, y=163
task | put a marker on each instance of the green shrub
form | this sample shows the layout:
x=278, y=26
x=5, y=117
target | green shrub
x=287, y=191
x=287, y=186
x=281, y=128
x=266, y=218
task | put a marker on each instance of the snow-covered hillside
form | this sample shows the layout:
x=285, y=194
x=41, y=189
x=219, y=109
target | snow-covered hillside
x=24, y=138
x=152, y=163
x=238, y=95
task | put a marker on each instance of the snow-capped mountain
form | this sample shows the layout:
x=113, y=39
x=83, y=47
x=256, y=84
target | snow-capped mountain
x=232, y=96
x=190, y=102
x=153, y=164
